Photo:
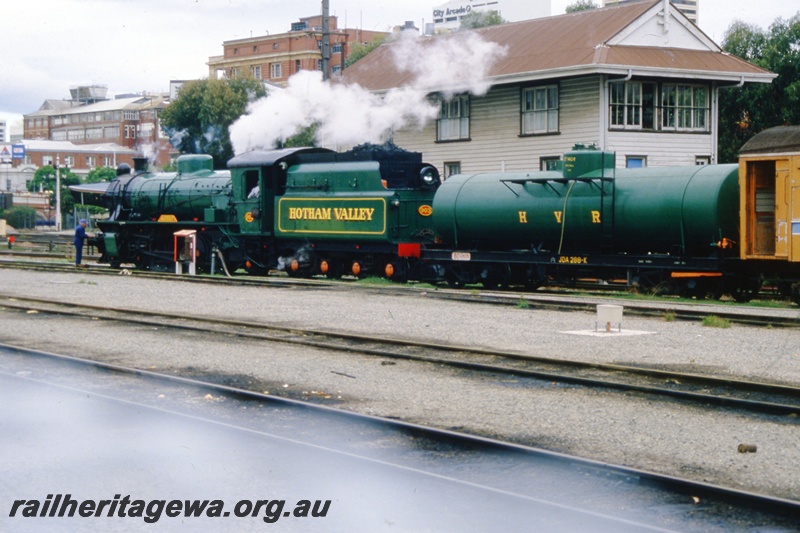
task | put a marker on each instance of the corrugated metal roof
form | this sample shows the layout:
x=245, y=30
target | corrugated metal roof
x=572, y=44
x=42, y=145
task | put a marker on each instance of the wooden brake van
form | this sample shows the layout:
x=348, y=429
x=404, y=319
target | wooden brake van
x=769, y=180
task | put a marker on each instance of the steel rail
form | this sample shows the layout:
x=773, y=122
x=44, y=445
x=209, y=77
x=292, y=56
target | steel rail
x=657, y=382
x=756, y=501
x=532, y=301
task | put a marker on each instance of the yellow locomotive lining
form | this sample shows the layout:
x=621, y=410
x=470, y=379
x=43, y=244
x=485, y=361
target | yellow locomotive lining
x=332, y=200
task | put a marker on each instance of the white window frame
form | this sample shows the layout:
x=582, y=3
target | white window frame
x=540, y=108
x=274, y=70
x=453, y=121
x=684, y=107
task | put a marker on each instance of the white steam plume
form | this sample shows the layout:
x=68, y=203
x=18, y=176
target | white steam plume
x=349, y=114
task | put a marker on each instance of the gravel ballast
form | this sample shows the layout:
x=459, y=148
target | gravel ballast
x=641, y=432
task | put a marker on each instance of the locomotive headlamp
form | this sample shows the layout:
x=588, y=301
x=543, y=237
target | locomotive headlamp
x=396, y=202
x=429, y=176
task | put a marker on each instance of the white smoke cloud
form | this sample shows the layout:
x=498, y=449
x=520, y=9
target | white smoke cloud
x=347, y=114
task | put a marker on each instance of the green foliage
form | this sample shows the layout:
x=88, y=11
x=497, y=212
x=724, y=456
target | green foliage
x=713, y=321
x=481, y=19
x=580, y=5
x=747, y=110
x=92, y=209
x=197, y=121
x=45, y=179
x=101, y=174
x=307, y=137
x=358, y=50
x=19, y=216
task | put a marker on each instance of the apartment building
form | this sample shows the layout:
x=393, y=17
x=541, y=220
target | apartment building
x=274, y=58
x=89, y=117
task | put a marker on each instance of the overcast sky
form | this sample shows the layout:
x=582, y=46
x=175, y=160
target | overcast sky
x=140, y=45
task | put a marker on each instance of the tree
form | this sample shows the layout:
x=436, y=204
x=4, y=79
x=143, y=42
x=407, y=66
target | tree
x=359, y=51
x=45, y=179
x=580, y=5
x=480, y=19
x=745, y=111
x=197, y=121
x=19, y=216
x=100, y=174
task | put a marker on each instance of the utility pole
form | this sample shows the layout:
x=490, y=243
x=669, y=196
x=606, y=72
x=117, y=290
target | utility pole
x=326, y=41
x=58, y=193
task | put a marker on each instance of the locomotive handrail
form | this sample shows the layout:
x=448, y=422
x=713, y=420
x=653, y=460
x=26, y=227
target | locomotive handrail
x=548, y=182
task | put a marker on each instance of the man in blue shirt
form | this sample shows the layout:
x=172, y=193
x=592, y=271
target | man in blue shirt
x=80, y=237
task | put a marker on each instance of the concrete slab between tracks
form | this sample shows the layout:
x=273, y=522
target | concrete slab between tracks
x=609, y=334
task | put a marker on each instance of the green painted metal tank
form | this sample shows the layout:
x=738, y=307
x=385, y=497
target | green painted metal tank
x=184, y=195
x=589, y=207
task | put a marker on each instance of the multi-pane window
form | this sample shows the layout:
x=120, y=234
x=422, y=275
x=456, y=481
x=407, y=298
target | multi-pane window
x=274, y=70
x=549, y=163
x=540, y=110
x=635, y=105
x=685, y=107
x=632, y=105
x=453, y=122
x=255, y=71
x=451, y=168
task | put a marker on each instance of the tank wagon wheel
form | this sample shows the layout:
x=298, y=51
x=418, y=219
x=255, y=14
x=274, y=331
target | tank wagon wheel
x=454, y=279
x=331, y=268
x=496, y=276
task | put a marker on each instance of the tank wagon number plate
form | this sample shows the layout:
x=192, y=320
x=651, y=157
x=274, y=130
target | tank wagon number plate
x=461, y=256
x=573, y=259
x=339, y=216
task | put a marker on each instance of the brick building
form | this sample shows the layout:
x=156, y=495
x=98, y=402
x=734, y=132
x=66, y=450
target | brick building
x=79, y=158
x=274, y=58
x=89, y=118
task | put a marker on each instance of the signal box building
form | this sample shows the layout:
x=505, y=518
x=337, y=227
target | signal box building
x=637, y=79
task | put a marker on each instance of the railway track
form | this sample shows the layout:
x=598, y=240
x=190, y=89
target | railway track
x=723, y=392
x=561, y=301
x=643, y=492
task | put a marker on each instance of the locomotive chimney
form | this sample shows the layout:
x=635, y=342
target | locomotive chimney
x=140, y=164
